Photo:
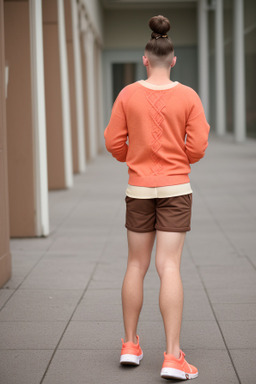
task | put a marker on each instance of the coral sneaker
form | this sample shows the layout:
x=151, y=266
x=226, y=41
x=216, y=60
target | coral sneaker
x=174, y=368
x=131, y=354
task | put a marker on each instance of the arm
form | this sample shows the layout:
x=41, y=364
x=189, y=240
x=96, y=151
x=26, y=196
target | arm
x=116, y=132
x=197, y=130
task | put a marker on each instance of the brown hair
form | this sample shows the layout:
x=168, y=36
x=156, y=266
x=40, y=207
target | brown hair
x=159, y=44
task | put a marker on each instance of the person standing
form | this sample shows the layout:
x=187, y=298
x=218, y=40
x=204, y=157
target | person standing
x=158, y=127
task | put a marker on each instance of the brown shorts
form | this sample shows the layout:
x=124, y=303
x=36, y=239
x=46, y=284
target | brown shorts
x=170, y=214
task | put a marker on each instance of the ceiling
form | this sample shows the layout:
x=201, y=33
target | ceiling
x=147, y=4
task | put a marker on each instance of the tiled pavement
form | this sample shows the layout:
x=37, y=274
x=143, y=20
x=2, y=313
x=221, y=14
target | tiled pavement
x=61, y=318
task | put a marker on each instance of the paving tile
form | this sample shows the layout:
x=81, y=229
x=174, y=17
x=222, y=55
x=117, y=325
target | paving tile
x=94, y=221
x=191, y=280
x=232, y=295
x=252, y=258
x=152, y=280
x=102, y=233
x=150, y=313
x=235, y=311
x=226, y=207
x=59, y=274
x=75, y=222
x=98, y=311
x=4, y=295
x=93, y=367
x=196, y=306
x=92, y=335
x=30, y=244
x=214, y=366
x=107, y=278
x=30, y=335
x=89, y=209
x=244, y=360
x=22, y=264
x=98, y=296
x=40, y=305
x=70, y=257
x=201, y=334
x=209, y=246
x=100, y=305
x=230, y=276
x=115, y=251
x=23, y=366
x=244, y=242
x=202, y=223
x=78, y=244
x=242, y=225
x=225, y=257
x=239, y=334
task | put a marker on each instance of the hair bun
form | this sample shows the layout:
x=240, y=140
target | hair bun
x=159, y=25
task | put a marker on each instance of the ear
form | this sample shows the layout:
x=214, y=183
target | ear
x=145, y=61
x=173, y=61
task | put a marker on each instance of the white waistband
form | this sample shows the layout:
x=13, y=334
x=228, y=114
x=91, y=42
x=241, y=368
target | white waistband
x=158, y=192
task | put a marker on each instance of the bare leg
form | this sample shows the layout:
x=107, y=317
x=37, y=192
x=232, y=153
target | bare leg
x=168, y=256
x=139, y=254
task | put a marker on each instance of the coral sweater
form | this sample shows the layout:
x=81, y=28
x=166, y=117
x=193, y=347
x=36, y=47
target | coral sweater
x=158, y=131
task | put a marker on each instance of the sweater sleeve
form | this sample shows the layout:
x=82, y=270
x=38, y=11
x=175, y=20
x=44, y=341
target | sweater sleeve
x=116, y=132
x=197, y=130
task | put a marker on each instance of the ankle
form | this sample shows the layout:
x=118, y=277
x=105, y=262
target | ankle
x=175, y=351
x=132, y=339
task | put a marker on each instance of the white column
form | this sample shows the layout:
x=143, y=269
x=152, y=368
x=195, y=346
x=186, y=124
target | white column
x=203, y=63
x=68, y=161
x=90, y=76
x=39, y=120
x=220, y=70
x=78, y=88
x=99, y=106
x=239, y=72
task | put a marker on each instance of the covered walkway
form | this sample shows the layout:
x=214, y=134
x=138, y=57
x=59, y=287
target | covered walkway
x=61, y=317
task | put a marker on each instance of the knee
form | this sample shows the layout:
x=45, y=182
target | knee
x=159, y=268
x=142, y=267
x=164, y=266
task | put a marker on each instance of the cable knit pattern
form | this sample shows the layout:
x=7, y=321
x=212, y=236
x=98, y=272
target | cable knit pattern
x=156, y=130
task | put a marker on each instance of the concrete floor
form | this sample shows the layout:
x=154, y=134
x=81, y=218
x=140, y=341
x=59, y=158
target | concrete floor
x=61, y=317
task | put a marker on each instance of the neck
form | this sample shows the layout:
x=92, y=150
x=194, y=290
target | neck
x=159, y=76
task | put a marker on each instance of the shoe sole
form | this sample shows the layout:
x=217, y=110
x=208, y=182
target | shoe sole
x=171, y=373
x=130, y=359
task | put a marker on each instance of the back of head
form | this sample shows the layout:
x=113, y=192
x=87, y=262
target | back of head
x=159, y=44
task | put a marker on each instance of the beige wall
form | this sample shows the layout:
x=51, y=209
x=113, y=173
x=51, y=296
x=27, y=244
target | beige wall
x=85, y=98
x=55, y=147
x=129, y=29
x=97, y=94
x=71, y=77
x=19, y=119
x=5, y=255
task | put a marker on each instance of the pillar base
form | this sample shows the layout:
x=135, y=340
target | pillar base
x=5, y=268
